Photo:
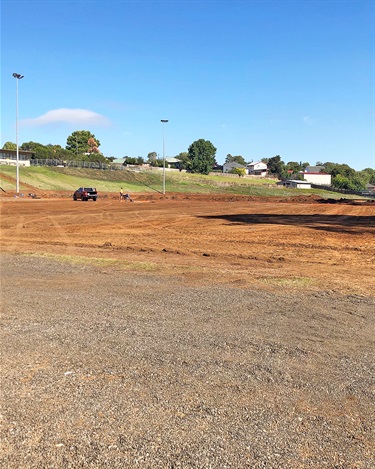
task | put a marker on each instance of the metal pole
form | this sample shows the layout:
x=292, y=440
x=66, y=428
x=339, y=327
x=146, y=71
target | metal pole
x=164, y=121
x=18, y=159
x=17, y=76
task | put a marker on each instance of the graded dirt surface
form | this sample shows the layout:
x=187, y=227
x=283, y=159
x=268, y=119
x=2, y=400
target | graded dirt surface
x=247, y=240
x=187, y=331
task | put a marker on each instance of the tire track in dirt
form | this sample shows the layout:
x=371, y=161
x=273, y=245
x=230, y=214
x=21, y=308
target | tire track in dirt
x=66, y=241
x=20, y=225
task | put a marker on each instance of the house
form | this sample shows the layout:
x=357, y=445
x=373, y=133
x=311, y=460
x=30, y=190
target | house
x=257, y=169
x=370, y=190
x=9, y=157
x=318, y=178
x=295, y=184
x=228, y=167
x=118, y=161
x=172, y=162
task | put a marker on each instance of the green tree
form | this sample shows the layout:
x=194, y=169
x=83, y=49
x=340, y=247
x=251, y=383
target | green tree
x=237, y=159
x=9, y=146
x=130, y=160
x=345, y=177
x=335, y=168
x=351, y=183
x=293, y=166
x=201, y=156
x=152, y=157
x=358, y=182
x=341, y=182
x=368, y=175
x=40, y=151
x=183, y=157
x=78, y=142
x=276, y=166
x=134, y=160
x=58, y=152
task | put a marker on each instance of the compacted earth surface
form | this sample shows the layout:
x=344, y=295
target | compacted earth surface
x=187, y=331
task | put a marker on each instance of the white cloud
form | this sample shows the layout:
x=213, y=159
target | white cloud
x=308, y=120
x=69, y=116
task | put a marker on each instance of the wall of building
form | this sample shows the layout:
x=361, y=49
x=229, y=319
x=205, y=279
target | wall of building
x=14, y=162
x=318, y=178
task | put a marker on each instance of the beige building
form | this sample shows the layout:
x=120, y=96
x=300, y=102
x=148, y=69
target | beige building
x=9, y=157
x=321, y=179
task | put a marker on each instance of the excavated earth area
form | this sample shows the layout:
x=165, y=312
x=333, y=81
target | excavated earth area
x=187, y=331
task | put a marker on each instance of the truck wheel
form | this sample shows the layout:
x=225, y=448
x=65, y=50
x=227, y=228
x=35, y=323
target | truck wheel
x=94, y=199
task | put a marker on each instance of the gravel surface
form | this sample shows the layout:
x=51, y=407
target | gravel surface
x=107, y=369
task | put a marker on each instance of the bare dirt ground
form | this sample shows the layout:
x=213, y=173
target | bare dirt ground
x=225, y=238
x=187, y=331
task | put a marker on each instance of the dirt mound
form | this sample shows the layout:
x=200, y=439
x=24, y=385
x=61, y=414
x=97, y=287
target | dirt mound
x=348, y=201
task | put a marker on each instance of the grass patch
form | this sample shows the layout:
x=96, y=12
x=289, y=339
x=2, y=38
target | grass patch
x=100, y=262
x=288, y=282
x=69, y=179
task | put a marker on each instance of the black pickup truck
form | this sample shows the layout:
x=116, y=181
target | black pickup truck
x=85, y=193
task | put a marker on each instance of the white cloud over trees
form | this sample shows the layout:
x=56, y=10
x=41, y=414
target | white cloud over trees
x=69, y=116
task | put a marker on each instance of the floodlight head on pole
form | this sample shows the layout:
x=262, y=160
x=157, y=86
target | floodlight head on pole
x=18, y=76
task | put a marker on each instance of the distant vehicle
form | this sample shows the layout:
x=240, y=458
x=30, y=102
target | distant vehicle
x=85, y=193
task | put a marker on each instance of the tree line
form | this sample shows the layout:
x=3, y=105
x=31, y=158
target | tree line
x=200, y=157
x=343, y=176
x=82, y=145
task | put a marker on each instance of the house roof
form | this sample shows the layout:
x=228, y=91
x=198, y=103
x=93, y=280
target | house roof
x=313, y=169
x=234, y=164
x=253, y=163
x=318, y=172
x=14, y=152
x=172, y=160
x=293, y=181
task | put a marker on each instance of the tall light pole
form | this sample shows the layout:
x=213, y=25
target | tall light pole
x=164, y=121
x=17, y=76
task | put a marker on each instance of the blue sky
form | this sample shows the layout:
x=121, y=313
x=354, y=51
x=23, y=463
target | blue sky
x=256, y=78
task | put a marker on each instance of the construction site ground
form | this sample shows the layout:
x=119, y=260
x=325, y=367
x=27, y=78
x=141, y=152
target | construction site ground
x=187, y=331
